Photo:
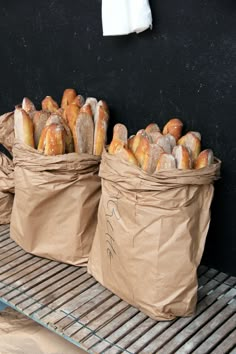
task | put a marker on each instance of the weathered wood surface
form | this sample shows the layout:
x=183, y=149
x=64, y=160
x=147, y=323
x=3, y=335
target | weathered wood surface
x=69, y=301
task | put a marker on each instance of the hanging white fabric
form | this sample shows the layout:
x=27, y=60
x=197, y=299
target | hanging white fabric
x=120, y=17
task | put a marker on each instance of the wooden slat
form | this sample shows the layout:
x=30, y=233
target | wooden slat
x=215, y=340
x=69, y=301
x=50, y=300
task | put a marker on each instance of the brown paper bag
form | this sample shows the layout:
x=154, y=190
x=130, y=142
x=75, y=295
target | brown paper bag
x=150, y=235
x=6, y=188
x=7, y=134
x=55, y=208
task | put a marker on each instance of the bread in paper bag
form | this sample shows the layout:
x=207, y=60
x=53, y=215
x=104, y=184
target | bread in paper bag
x=150, y=235
x=55, y=208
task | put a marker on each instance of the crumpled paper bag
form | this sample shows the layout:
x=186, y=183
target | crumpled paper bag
x=151, y=234
x=6, y=188
x=55, y=207
x=120, y=17
x=7, y=134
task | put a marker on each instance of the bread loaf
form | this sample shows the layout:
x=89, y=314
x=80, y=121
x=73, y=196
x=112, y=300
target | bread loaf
x=192, y=143
x=120, y=135
x=23, y=127
x=205, y=158
x=68, y=97
x=126, y=154
x=27, y=105
x=83, y=132
x=142, y=149
x=54, y=140
x=48, y=104
x=134, y=142
x=174, y=127
x=182, y=157
x=151, y=128
x=39, y=120
x=93, y=103
x=152, y=155
x=166, y=162
x=101, y=119
x=164, y=142
x=57, y=119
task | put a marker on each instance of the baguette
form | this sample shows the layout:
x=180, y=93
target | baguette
x=151, y=158
x=151, y=128
x=54, y=140
x=48, y=104
x=101, y=119
x=68, y=97
x=93, y=103
x=134, y=142
x=57, y=119
x=164, y=142
x=27, y=105
x=39, y=120
x=83, y=132
x=142, y=149
x=192, y=143
x=204, y=159
x=174, y=127
x=126, y=154
x=166, y=162
x=23, y=127
x=182, y=157
x=120, y=135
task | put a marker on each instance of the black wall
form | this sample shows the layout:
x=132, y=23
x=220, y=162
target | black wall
x=184, y=67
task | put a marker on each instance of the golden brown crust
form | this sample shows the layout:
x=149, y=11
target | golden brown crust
x=182, y=157
x=68, y=97
x=127, y=155
x=204, y=159
x=48, y=104
x=166, y=162
x=27, y=105
x=192, y=143
x=54, y=140
x=151, y=128
x=174, y=127
x=101, y=119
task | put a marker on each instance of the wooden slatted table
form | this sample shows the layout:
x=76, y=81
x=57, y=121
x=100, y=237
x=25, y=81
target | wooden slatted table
x=68, y=301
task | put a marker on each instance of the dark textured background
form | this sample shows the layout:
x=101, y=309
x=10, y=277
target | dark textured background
x=184, y=67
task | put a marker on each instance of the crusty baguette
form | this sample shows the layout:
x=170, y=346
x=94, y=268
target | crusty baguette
x=79, y=101
x=23, y=126
x=27, y=105
x=192, y=143
x=205, y=158
x=171, y=140
x=197, y=134
x=101, y=119
x=142, y=149
x=166, y=162
x=93, y=103
x=83, y=132
x=182, y=157
x=164, y=142
x=120, y=135
x=151, y=157
x=54, y=140
x=174, y=127
x=126, y=154
x=42, y=139
x=48, y=104
x=155, y=136
x=68, y=97
x=151, y=128
x=134, y=142
x=57, y=119
x=39, y=120
x=71, y=114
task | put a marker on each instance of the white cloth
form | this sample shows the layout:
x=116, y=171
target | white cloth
x=120, y=17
